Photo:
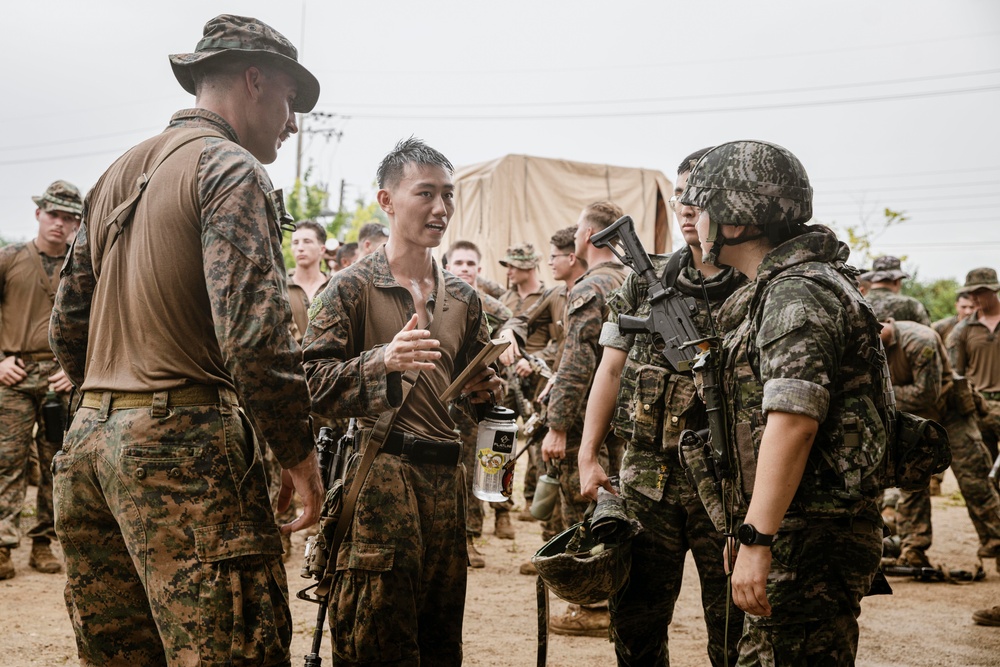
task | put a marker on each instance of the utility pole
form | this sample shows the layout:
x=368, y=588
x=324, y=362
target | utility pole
x=340, y=207
x=302, y=117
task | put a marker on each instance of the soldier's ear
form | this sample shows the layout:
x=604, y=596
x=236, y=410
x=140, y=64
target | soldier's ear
x=384, y=198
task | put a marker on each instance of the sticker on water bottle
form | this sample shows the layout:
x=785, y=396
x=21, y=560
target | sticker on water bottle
x=490, y=462
x=503, y=442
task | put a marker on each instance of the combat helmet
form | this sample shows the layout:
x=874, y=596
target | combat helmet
x=749, y=183
x=590, y=561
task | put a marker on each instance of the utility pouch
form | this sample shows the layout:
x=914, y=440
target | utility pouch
x=919, y=450
x=696, y=459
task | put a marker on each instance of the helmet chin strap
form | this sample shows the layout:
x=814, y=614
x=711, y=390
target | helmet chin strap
x=717, y=240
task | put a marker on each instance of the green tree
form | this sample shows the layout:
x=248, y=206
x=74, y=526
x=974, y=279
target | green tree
x=363, y=214
x=938, y=296
x=306, y=201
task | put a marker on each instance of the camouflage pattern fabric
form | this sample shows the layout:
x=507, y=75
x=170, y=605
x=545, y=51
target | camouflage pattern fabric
x=172, y=553
x=652, y=409
x=165, y=522
x=818, y=576
x=919, y=369
x=887, y=303
x=814, y=344
x=944, y=326
x=491, y=287
x=399, y=591
x=496, y=313
x=970, y=462
x=20, y=411
x=586, y=310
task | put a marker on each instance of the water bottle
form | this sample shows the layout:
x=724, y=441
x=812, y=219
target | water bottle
x=546, y=493
x=54, y=417
x=496, y=441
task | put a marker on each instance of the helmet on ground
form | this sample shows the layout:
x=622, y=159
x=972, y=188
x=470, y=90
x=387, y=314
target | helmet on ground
x=749, y=183
x=581, y=570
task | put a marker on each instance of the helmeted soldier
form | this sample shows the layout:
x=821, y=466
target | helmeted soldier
x=807, y=404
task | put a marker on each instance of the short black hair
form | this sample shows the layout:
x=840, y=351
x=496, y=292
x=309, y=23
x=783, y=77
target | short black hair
x=407, y=151
x=688, y=163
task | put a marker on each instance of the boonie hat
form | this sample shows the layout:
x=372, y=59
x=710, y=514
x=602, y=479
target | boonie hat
x=887, y=267
x=521, y=256
x=981, y=278
x=60, y=196
x=230, y=34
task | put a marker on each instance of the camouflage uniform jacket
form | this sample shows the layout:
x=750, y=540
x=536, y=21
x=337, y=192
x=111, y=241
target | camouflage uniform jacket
x=586, y=311
x=943, y=327
x=496, y=313
x=346, y=363
x=655, y=405
x=919, y=368
x=229, y=212
x=810, y=346
x=887, y=303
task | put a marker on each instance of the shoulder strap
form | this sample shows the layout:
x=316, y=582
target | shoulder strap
x=541, y=306
x=123, y=213
x=381, y=431
x=672, y=269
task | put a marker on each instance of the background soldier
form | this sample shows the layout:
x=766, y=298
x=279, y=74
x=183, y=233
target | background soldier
x=399, y=591
x=371, y=237
x=174, y=323
x=923, y=384
x=586, y=310
x=964, y=306
x=886, y=279
x=649, y=407
x=463, y=259
x=974, y=349
x=308, y=241
x=544, y=333
x=29, y=275
x=805, y=362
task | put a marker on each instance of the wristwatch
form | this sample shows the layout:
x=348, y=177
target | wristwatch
x=748, y=535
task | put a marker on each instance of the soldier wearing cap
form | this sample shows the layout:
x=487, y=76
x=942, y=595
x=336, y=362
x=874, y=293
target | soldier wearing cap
x=173, y=320
x=886, y=279
x=974, y=349
x=29, y=275
x=525, y=291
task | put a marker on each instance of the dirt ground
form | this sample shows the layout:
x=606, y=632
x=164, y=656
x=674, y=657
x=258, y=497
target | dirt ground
x=921, y=625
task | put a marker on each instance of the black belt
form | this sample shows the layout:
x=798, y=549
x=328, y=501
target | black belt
x=419, y=451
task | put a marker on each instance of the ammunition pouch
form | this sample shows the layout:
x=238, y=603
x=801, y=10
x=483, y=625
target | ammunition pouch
x=695, y=456
x=919, y=450
x=316, y=557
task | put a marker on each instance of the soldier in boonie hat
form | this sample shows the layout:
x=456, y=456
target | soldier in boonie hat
x=521, y=256
x=886, y=268
x=60, y=197
x=229, y=36
x=981, y=278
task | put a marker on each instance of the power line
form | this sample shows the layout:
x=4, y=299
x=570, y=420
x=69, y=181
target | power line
x=7, y=163
x=78, y=140
x=950, y=196
x=681, y=112
x=758, y=93
x=936, y=172
x=892, y=188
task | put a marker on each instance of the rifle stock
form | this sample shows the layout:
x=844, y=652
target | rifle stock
x=670, y=320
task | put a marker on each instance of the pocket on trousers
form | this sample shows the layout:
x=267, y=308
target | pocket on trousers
x=375, y=617
x=232, y=540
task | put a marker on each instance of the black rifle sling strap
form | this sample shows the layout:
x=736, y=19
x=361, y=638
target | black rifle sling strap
x=374, y=444
x=124, y=212
x=672, y=269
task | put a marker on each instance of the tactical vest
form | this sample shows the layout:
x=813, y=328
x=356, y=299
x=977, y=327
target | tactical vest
x=844, y=471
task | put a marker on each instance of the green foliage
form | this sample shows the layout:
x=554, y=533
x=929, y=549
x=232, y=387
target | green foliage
x=306, y=201
x=861, y=238
x=363, y=214
x=937, y=296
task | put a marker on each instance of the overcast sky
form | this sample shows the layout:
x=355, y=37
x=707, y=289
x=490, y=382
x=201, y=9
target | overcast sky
x=888, y=104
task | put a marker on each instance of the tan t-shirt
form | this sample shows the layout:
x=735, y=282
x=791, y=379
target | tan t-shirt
x=28, y=283
x=975, y=354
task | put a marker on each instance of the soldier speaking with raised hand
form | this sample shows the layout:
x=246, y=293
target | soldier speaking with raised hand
x=172, y=318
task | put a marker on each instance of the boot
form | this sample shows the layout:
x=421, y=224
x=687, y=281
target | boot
x=987, y=616
x=476, y=559
x=6, y=566
x=525, y=514
x=581, y=622
x=527, y=567
x=503, y=529
x=42, y=558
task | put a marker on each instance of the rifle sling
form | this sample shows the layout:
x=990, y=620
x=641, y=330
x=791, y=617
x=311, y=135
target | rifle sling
x=373, y=445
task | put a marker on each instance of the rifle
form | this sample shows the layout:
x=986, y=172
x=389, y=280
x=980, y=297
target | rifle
x=670, y=318
x=332, y=465
x=931, y=574
x=671, y=324
x=522, y=406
